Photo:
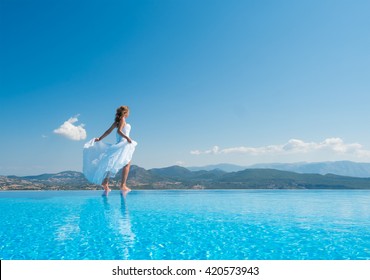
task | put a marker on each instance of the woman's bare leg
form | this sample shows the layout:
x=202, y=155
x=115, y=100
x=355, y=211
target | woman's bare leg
x=105, y=184
x=125, y=172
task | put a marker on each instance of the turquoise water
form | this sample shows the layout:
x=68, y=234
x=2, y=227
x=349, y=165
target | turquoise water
x=145, y=225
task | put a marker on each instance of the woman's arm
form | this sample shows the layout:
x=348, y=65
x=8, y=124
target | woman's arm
x=113, y=126
x=121, y=125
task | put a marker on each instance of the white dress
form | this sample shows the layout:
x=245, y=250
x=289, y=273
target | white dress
x=101, y=160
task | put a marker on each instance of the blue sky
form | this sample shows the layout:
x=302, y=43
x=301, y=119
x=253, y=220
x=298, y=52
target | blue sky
x=207, y=82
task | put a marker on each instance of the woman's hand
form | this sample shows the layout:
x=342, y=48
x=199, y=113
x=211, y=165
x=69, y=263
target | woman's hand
x=129, y=139
x=97, y=139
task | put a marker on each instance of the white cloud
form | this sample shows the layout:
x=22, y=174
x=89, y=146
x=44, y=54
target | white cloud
x=295, y=146
x=214, y=150
x=71, y=131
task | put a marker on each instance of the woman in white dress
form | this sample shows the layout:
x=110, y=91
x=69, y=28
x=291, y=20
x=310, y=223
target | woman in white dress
x=102, y=161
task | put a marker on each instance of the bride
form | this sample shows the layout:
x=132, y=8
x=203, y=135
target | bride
x=102, y=161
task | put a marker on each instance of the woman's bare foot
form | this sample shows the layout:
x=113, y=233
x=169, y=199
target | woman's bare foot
x=124, y=188
x=106, y=188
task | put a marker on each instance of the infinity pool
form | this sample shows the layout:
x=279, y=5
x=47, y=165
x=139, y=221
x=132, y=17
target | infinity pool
x=180, y=225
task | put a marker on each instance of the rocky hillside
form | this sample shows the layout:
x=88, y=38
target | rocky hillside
x=176, y=177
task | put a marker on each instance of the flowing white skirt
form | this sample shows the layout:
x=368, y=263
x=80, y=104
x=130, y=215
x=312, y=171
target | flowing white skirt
x=101, y=160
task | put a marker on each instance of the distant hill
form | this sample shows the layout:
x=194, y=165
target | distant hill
x=178, y=172
x=343, y=168
x=276, y=179
x=222, y=166
x=172, y=172
x=176, y=177
x=67, y=180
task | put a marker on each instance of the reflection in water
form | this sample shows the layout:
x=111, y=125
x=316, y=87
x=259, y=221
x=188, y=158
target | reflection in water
x=106, y=204
x=120, y=224
x=106, y=193
x=124, y=224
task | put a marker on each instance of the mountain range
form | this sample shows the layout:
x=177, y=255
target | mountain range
x=177, y=177
x=344, y=168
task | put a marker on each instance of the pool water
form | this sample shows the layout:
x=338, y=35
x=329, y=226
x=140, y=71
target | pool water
x=181, y=225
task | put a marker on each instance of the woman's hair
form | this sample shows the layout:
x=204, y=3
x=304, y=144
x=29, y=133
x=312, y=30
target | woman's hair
x=121, y=111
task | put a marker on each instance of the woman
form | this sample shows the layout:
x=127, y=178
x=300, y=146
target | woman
x=102, y=161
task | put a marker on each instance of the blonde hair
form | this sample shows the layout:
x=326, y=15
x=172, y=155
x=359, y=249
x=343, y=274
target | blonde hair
x=120, y=112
